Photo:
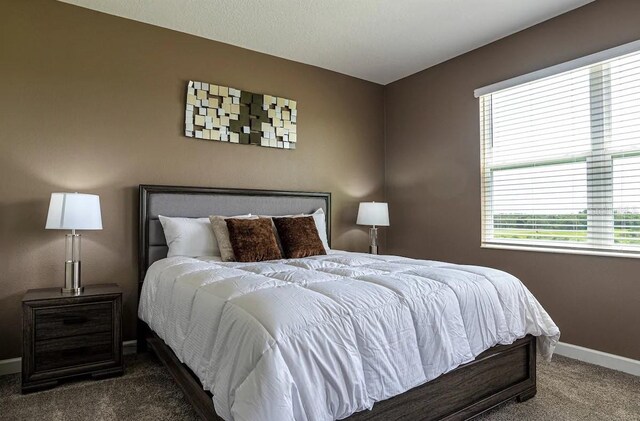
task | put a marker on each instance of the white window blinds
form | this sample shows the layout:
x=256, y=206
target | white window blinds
x=561, y=160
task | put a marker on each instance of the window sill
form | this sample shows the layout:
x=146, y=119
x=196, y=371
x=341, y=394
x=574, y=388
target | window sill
x=602, y=253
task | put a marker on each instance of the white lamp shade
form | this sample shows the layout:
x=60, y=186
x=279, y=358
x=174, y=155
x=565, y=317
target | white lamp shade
x=373, y=213
x=74, y=211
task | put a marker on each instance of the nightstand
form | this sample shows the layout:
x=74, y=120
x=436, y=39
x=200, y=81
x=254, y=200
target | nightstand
x=66, y=336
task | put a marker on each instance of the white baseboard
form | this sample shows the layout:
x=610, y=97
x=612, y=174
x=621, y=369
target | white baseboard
x=14, y=365
x=129, y=347
x=603, y=359
x=10, y=366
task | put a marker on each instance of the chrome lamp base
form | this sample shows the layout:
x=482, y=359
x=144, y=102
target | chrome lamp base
x=373, y=236
x=72, y=283
x=72, y=291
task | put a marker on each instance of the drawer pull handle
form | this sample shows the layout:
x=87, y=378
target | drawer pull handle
x=74, y=320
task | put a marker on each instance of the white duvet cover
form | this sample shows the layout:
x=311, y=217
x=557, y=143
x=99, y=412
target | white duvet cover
x=322, y=337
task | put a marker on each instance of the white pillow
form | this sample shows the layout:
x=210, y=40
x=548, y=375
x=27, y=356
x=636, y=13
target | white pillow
x=190, y=237
x=321, y=226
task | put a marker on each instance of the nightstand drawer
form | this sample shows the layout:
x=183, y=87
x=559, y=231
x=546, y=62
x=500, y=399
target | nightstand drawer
x=74, y=350
x=72, y=320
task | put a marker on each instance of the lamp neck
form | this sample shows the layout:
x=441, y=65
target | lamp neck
x=72, y=284
x=373, y=240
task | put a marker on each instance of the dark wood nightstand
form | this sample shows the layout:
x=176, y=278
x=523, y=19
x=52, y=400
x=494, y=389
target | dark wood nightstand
x=65, y=336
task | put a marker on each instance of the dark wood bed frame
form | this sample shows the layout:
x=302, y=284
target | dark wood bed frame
x=499, y=374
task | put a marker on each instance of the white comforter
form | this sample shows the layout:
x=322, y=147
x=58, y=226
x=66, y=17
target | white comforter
x=322, y=337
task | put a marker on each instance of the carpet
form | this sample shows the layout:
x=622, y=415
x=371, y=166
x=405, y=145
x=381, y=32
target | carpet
x=567, y=390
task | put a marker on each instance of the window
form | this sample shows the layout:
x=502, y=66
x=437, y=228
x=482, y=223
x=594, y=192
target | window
x=561, y=157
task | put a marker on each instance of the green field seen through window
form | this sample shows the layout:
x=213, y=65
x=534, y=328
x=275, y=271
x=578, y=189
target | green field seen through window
x=568, y=227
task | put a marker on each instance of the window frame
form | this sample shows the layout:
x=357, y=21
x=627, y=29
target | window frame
x=599, y=199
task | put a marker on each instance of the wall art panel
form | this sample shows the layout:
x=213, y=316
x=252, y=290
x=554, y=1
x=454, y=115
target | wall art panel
x=225, y=114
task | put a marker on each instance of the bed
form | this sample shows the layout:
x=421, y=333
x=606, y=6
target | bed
x=345, y=335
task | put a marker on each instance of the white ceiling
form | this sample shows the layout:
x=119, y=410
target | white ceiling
x=376, y=40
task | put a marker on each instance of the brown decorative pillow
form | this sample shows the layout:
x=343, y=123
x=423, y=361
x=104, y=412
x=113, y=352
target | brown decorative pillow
x=253, y=240
x=299, y=237
x=221, y=232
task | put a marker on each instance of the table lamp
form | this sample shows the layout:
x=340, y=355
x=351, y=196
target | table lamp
x=374, y=214
x=73, y=211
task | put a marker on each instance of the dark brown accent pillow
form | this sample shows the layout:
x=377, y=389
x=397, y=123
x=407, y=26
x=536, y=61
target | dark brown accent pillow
x=253, y=240
x=299, y=237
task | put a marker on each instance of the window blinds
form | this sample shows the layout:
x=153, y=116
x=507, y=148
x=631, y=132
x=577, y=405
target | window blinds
x=561, y=160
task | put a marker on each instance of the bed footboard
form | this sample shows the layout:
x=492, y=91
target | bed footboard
x=499, y=374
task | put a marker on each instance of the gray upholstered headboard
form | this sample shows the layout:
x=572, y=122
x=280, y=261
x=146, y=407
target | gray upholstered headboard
x=197, y=202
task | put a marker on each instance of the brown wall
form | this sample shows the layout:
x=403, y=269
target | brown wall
x=94, y=103
x=433, y=176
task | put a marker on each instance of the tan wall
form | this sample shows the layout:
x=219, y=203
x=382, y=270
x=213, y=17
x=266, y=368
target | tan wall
x=433, y=176
x=94, y=103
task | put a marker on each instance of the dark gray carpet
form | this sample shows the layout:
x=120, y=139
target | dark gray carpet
x=567, y=390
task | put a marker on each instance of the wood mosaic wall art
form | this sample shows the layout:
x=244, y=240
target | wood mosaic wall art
x=226, y=114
